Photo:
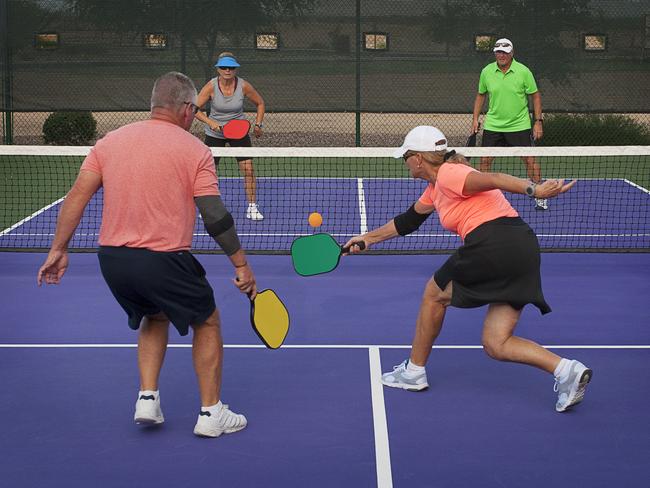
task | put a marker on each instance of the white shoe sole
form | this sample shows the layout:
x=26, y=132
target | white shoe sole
x=405, y=386
x=579, y=393
x=216, y=433
x=148, y=420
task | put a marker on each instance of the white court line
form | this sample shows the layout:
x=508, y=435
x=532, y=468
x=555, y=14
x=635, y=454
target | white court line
x=35, y=214
x=315, y=346
x=382, y=446
x=362, y=206
x=639, y=187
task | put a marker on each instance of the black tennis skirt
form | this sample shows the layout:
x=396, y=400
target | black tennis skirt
x=498, y=263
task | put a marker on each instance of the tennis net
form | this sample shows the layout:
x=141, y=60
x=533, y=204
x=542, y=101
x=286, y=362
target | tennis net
x=355, y=189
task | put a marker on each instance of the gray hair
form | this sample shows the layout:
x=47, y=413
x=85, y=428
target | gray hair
x=172, y=90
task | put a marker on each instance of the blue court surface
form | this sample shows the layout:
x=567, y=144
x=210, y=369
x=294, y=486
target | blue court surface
x=318, y=415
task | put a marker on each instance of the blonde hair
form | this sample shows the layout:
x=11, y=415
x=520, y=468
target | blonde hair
x=225, y=54
x=436, y=158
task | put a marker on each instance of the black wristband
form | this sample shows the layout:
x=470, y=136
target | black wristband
x=241, y=265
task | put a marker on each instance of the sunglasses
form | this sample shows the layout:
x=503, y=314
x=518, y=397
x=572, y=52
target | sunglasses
x=408, y=154
x=227, y=68
x=194, y=107
x=502, y=44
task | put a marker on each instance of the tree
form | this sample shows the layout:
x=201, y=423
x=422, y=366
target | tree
x=534, y=27
x=198, y=22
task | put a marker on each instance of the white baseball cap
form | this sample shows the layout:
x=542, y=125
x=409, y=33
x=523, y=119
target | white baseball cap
x=422, y=138
x=504, y=45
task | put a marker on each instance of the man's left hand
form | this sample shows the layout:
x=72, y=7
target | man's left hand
x=53, y=269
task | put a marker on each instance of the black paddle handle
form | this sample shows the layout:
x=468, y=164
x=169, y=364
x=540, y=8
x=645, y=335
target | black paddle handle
x=361, y=244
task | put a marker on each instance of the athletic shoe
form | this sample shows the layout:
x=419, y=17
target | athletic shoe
x=541, y=204
x=253, y=212
x=147, y=410
x=401, y=378
x=222, y=422
x=572, y=390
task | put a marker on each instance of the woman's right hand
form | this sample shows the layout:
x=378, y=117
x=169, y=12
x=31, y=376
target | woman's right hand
x=214, y=126
x=353, y=244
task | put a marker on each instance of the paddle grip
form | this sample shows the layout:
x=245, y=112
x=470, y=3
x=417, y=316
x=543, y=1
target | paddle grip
x=361, y=244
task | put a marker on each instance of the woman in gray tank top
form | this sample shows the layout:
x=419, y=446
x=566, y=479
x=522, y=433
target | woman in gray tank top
x=226, y=94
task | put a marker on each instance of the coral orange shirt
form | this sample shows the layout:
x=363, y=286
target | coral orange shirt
x=461, y=213
x=151, y=171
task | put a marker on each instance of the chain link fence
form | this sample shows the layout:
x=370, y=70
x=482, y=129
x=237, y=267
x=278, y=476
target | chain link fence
x=332, y=73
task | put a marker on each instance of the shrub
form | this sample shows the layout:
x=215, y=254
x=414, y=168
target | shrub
x=70, y=128
x=594, y=130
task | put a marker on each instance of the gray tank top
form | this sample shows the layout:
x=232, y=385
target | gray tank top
x=224, y=109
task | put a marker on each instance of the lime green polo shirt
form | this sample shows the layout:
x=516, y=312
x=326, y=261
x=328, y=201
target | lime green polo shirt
x=508, y=94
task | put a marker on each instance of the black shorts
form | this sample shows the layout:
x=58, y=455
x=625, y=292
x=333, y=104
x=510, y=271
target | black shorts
x=498, y=263
x=216, y=142
x=147, y=282
x=522, y=138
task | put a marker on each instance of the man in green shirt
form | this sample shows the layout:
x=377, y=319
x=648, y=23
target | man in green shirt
x=507, y=123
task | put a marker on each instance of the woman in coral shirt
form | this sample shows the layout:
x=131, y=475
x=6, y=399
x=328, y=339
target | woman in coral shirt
x=497, y=265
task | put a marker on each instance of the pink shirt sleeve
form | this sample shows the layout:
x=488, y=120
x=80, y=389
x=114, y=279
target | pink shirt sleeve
x=206, y=177
x=91, y=163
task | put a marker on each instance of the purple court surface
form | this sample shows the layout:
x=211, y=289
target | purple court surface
x=599, y=214
x=317, y=413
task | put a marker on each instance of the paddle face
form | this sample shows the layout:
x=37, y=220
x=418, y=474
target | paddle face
x=316, y=254
x=236, y=129
x=269, y=318
x=471, y=140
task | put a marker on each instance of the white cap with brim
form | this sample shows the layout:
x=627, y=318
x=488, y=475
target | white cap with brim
x=504, y=45
x=423, y=138
x=227, y=62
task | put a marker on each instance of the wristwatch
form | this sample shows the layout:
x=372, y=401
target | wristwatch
x=539, y=120
x=260, y=125
x=530, y=189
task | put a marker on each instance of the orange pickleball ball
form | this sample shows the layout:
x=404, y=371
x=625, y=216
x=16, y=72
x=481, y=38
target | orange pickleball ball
x=315, y=219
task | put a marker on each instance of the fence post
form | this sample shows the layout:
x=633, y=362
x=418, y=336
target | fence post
x=357, y=113
x=6, y=73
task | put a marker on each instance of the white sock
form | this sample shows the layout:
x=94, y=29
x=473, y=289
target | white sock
x=414, y=369
x=213, y=409
x=563, y=369
x=148, y=393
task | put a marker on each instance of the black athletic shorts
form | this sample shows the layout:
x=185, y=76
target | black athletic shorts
x=216, y=142
x=522, y=138
x=498, y=263
x=147, y=282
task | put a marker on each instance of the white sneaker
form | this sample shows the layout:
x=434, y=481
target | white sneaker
x=572, y=390
x=223, y=422
x=401, y=378
x=147, y=409
x=541, y=204
x=253, y=212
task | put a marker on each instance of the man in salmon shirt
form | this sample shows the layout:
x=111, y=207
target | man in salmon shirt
x=497, y=265
x=154, y=174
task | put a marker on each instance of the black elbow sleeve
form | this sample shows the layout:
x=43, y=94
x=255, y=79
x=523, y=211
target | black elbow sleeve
x=409, y=221
x=218, y=227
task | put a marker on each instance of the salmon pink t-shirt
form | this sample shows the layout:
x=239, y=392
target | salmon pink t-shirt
x=461, y=213
x=151, y=171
